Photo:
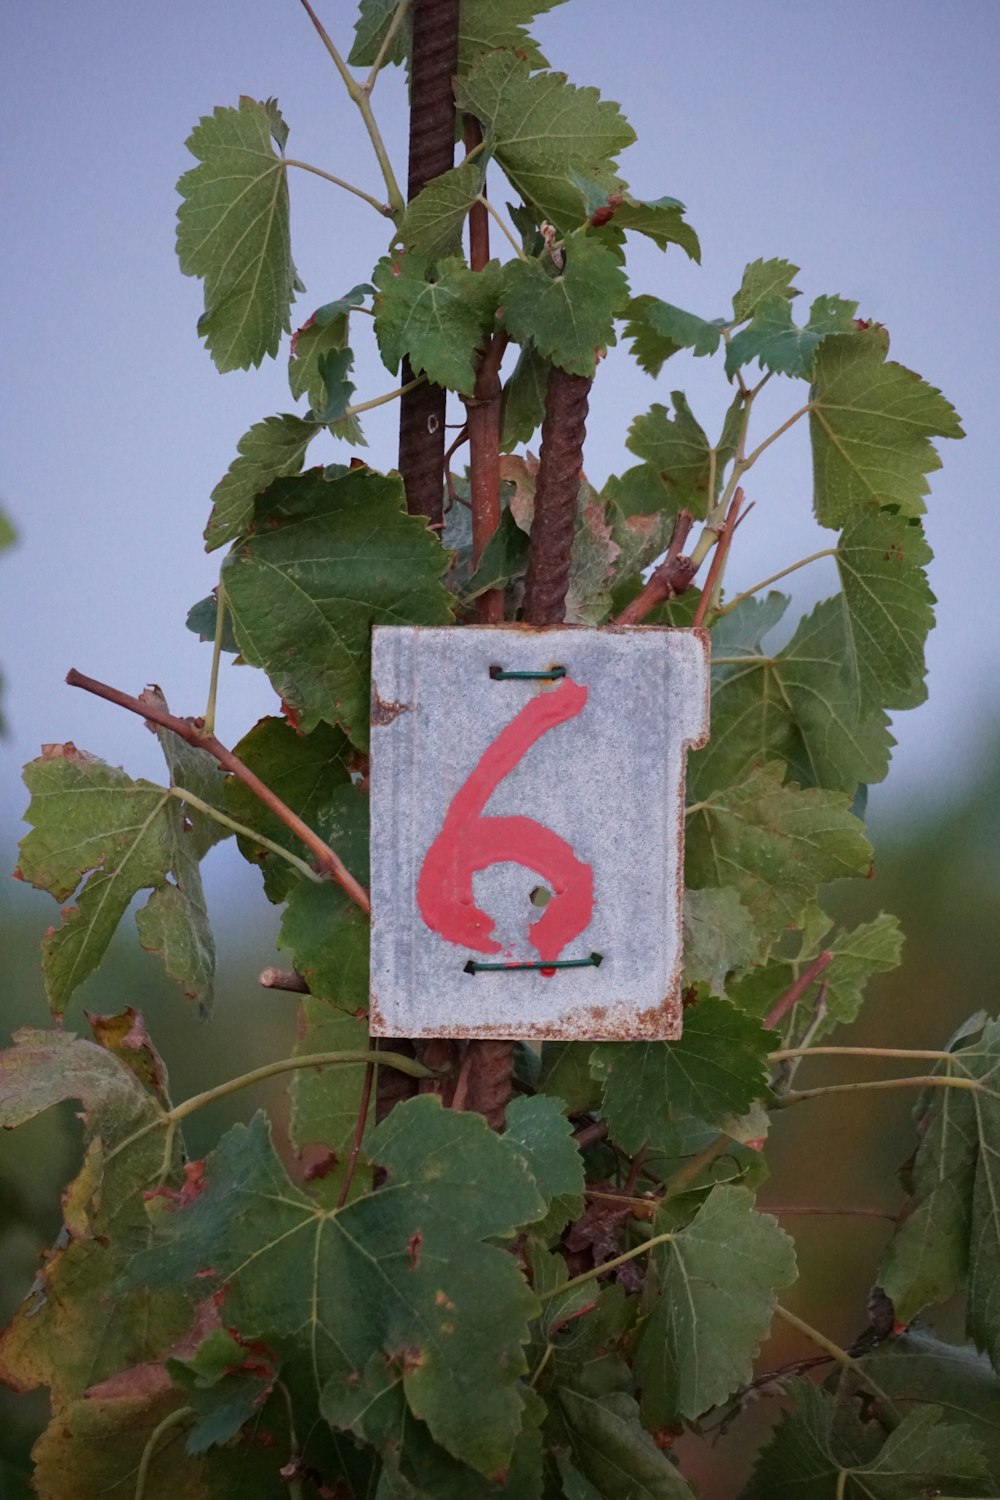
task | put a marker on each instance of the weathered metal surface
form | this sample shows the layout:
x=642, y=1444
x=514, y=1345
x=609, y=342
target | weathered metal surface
x=490, y=794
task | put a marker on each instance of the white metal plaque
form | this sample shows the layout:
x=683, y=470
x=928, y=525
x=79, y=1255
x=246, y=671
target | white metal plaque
x=527, y=814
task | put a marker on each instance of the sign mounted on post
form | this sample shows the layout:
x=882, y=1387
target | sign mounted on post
x=527, y=814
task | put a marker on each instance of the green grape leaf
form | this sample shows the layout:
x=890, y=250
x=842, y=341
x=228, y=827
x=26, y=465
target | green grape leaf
x=319, y=363
x=402, y=1273
x=203, y=618
x=78, y=1325
x=523, y=399
x=329, y=559
x=763, y=279
x=565, y=1075
x=309, y=772
x=818, y=1454
x=541, y=1137
x=719, y=937
x=871, y=422
x=799, y=705
x=438, y=325
x=918, y=1368
x=569, y=317
x=659, y=330
x=601, y=1446
x=888, y=608
x=232, y=231
x=872, y=948
x=370, y=30
x=677, y=449
x=433, y=222
x=778, y=344
x=718, y=1278
x=660, y=220
x=774, y=844
x=544, y=131
x=717, y=1068
x=325, y=1101
x=505, y=557
x=225, y=1383
x=951, y=1231
x=8, y=536
x=483, y=26
x=270, y=450
x=328, y=938
x=96, y=828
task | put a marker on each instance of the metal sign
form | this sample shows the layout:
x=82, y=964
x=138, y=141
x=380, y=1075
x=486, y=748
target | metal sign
x=527, y=811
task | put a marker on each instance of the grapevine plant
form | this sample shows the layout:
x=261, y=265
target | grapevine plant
x=506, y=1271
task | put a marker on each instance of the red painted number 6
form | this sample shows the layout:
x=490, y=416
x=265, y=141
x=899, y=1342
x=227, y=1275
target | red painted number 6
x=469, y=842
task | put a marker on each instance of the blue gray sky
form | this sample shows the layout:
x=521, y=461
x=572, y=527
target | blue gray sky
x=857, y=139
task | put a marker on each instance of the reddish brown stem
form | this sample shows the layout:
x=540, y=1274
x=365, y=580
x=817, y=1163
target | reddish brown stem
x=672, y=577
x=795, y=991
x=189, y=729
x=718, y=561
x=564, y=428
x=589, y=1135
x=433, y=64
x=359, y=1132
x=283, y=979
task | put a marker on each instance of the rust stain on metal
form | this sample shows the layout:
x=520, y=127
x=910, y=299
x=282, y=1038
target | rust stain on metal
x=384, y=712
x=578, y=783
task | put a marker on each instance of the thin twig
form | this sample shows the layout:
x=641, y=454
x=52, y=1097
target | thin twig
x=283, y=979
x=359, y=95
x=589, y=1135
x=794, y=993
x=213, y=683
x=173, y=1419
x=719, y=559
x=928, y=1081
x=905, y=1054
x=841, y=1356
x=359, y=1131
x=671, y=578
x=781, y=1209
x=391, y=32
x=192, y=732
x=460, y=1095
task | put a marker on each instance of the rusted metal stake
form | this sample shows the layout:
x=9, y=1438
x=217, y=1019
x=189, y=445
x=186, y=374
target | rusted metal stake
x=560, y=464
x=434, y=63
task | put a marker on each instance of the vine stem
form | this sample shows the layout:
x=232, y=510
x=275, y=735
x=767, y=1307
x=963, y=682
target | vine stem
x=836, y=1353
x=359, y=93
x=794, y=993
x=213, y=682
x=929, y=1081
x=719, y=559
x=403, y=390
x=171, y=1118
x=392, y=31
x=821, y=1210
x=359, y=1131
x=673, y=576
x=904, y=1053
x=385, y=209
x=183, y=795
x=803, y=562
x=192, y=730
x=498, y=221
x=778, y=432
x=607, y=1265
x=182, y=1414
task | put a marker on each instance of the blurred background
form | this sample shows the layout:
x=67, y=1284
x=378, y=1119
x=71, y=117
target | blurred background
x=856, y=140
